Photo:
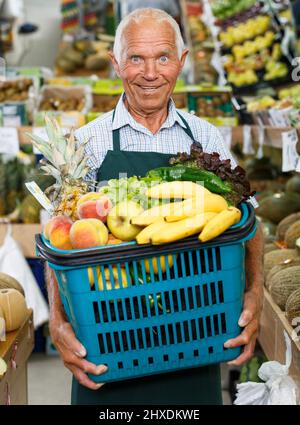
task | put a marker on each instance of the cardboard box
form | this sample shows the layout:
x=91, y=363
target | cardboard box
x=15, y=351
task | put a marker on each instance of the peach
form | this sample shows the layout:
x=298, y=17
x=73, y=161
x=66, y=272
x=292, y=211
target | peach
x=53, y=223
x=112, y=240
x=60, y=235
x=94, y=205
x=88, y=233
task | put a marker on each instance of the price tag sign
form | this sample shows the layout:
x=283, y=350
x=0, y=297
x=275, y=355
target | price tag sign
x=9, y=140
x=290, y=156
x=247, y=141
x=39, y=195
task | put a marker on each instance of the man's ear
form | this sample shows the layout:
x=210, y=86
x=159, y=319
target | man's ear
x=114, y=62
x=183, y=57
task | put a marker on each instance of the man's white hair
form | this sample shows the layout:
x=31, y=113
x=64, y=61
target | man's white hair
x=139, y=15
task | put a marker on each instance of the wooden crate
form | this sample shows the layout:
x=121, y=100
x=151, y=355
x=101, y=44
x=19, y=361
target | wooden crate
x=271, y=337
x=16, y=351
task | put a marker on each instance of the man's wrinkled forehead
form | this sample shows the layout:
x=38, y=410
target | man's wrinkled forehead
x=149, y=31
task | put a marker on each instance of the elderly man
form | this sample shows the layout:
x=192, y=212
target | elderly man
x=142, y=133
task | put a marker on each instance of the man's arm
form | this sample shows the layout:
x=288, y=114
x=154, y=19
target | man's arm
x=70, y=349
x=253, y=300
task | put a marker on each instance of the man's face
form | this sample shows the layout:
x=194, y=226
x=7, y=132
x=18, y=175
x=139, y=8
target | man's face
x=149, y=65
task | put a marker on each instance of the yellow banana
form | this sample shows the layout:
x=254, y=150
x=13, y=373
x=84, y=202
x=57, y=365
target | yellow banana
x=162, y=261
x=145, y=235
x=151, y=215
x=177, y=189
x=172, y=232
x=109, y=286
x=211, y=203
x=221, y=222
x=91, y=275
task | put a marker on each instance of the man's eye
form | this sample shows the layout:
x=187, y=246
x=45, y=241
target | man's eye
x=135, y=59
x=163, y=59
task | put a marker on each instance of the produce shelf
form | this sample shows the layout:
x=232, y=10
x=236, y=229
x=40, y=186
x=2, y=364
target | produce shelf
x=271, y=337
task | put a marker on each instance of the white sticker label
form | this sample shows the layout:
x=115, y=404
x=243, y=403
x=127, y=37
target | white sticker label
x=39, y=195
x=247, y=141
x=290, y=156
x=9, y=141
x=226, y=132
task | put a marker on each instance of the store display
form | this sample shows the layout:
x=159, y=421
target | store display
x=15, y=90
x=253, y=51
x=85, y=55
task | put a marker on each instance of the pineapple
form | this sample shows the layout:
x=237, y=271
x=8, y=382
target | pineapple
x=67, y=164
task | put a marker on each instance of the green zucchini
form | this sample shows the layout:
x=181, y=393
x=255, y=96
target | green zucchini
x=211, y=181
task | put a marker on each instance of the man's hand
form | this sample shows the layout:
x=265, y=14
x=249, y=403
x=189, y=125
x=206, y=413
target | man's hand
x=253, y=300
x=72, y=353
x=70, y=349
x=249, y=320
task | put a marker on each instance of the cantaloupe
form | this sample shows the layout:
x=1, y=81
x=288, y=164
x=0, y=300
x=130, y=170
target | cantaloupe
x=270, y=247
x=14, y=308
x=292, y=307
x=282, y=266
x=285, y=224
x=7, y=281
x=3, y=367
x=275, y=208
x=292, y=234
x=274, y=258
x=293, y=184
x=283, y=284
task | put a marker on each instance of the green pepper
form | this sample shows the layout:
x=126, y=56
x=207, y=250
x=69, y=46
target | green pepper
x=179, y=172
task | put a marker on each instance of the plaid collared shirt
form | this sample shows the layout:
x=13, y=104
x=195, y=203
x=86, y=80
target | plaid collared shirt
x=170, y=139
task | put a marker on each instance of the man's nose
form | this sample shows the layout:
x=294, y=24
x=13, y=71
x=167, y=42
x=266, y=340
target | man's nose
x=150, y=71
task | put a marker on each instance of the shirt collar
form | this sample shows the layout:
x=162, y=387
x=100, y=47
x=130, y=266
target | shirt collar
x=123, y=117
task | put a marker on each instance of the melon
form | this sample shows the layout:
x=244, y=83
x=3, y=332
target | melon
x=278, y=206
x=292, y=307
x=3, y=367
x=282, y=266
x=97, y=62
x=292, y=234
x=7, y=281
x=270, y=247
x=293, y=184
x=285, y=224
x=283, y=284
x=274, y=258
x=14, y=308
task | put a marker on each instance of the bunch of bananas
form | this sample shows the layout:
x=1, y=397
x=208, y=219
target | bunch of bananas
x=252, y=47
x=198, y=210
x=245, y=31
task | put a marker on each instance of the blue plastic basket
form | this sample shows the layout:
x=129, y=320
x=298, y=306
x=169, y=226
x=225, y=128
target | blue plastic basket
x=159, y=317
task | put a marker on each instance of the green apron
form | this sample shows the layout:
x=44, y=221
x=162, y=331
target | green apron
x=190, y=386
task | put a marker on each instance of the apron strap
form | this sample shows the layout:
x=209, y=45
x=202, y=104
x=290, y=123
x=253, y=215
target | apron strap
x=188, y=130
x=116, y=136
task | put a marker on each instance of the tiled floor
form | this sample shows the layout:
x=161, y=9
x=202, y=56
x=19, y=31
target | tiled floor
x=49, y=382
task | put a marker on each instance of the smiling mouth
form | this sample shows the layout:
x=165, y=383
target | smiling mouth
x=149, y=89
